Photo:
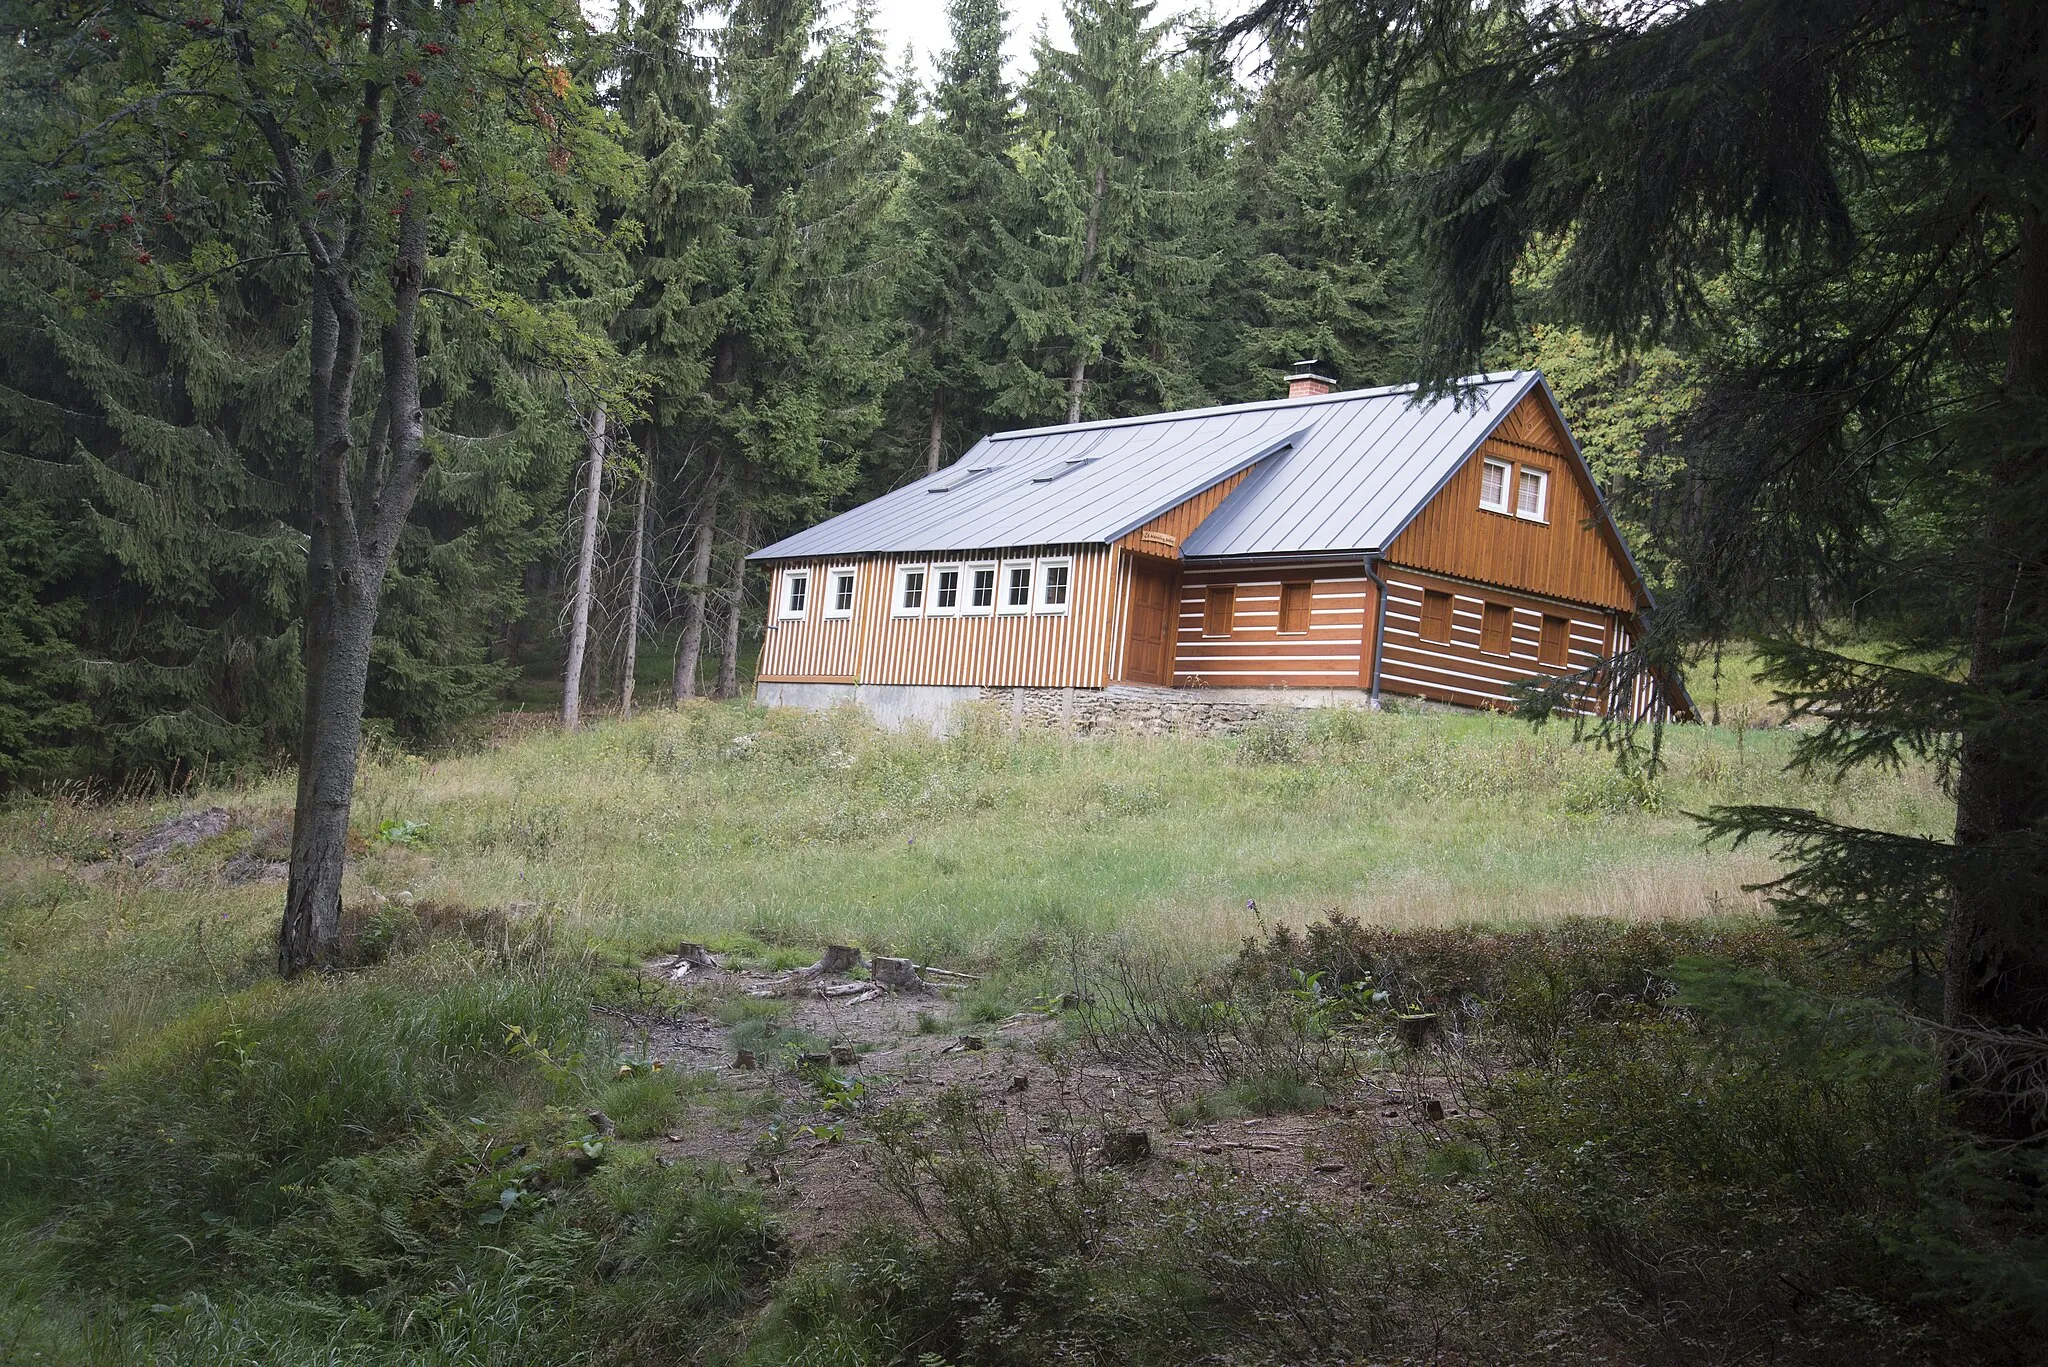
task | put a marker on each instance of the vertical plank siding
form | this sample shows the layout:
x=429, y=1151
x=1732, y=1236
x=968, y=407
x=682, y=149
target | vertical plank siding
x=1570, y=555
x=994, y=649
x=1163, y=534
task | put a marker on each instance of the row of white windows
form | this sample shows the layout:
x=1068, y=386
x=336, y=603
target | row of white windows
x=964, y=590
x=1531, y=488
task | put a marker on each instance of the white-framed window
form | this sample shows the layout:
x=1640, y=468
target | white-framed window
x=1494, y=478
x=948, y=591
x=911, y=582
x=1055, y=585
x=1015, y=587
x=796, y=594
x=1532, y=494
x=980, y=590
x=839, y=584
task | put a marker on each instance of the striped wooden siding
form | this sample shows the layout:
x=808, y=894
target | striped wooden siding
x=1461, y=672
x=1572, y=556
x=1034, y=650
x=817, y=649
x=1255, y=654
x=1163, y=534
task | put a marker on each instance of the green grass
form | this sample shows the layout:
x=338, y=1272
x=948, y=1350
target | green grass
x=305, y=1171
x=768, y=830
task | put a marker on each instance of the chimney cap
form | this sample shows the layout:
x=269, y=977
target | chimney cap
x=1307, y=379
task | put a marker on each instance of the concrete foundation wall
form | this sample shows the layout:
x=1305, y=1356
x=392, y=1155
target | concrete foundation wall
x=1120, y=708
x=892, y=705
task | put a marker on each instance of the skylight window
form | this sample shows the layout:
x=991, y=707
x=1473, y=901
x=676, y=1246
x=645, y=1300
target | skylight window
x=965, y=477
x=1065, y=468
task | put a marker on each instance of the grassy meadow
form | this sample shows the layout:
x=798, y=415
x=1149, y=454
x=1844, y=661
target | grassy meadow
x=728, y=824
x=200, y=1164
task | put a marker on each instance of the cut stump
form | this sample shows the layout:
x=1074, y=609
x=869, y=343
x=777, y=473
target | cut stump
x=838, y=959
x=1125, y=1146
x=900, y=974
x=1418, y=1030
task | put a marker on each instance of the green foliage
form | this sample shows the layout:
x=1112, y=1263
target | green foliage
x=39, y=728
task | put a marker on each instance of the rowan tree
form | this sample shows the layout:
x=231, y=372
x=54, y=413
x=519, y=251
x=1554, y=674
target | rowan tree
x=413, y=158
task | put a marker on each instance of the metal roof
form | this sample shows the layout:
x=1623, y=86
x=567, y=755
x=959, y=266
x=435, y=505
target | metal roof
x=1337, y=472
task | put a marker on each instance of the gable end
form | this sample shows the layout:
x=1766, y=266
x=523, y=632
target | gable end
x=1574, y=552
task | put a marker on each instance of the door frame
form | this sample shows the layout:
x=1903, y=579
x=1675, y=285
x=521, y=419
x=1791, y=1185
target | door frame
x=1170, y=570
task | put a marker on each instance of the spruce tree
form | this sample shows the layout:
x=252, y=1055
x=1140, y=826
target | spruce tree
x=1320, y=264
x=801, y=358
x=1107, y=261
x=949, y=213
x=1843, y=207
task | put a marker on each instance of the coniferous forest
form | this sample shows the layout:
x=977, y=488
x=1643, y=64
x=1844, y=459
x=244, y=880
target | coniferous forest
x=789, y=272
x=370, y=369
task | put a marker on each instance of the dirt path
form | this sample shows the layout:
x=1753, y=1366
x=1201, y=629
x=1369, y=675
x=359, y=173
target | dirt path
x=772, y=1126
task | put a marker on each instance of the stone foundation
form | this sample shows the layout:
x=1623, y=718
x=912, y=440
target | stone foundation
x=1125, y=709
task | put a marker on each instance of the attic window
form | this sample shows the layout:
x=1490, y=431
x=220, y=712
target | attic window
x=1493, y=485
x=964, y=478
x=1066, y=467
x=1531, y=487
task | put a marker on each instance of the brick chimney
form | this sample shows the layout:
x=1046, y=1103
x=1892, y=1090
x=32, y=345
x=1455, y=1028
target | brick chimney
x=1305, y=380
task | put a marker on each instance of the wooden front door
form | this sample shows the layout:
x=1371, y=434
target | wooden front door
x=1148, y=650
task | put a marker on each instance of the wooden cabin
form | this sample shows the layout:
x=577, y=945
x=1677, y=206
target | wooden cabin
x=1331, y=547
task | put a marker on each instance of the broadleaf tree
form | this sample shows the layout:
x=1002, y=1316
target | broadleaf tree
x=412, y=157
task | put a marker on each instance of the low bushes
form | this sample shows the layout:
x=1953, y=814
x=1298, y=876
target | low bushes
x=1677, y=1145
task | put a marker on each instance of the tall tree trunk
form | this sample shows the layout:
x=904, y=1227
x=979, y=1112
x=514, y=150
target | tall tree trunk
x=354, y=531
x=690, y=649
x=633, y=598
x=586, y=556
x=1078, y=376
x=1995, y=967
x=938, y=439
x=735, y=596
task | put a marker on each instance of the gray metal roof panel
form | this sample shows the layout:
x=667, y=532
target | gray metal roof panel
x=1334, y=473
x=1352, y=483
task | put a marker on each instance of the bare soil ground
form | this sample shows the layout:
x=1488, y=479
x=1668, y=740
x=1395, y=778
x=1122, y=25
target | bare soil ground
x=1049, y=1094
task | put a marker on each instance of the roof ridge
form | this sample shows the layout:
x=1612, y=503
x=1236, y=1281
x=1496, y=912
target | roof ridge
x=1492, y=377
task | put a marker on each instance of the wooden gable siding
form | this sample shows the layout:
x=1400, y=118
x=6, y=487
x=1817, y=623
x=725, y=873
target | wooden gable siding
x=1254, y=653
x=1164, y=534
x=1571, y=555
x=1461, y=670
x=1021, y=650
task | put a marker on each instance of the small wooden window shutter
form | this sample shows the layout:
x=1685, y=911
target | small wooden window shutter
x=1436, y=616
x=1221, y=609
x=1556, y=646
x=1294, y=611
x=1495, y=628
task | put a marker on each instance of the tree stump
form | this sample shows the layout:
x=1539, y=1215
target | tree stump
x=1419, y=1029
x=838, y=959
x=900, y=974
x=1120, y=1146
x=691, y=958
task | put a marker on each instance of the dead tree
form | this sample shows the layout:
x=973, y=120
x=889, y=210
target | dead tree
x=586, y=555
x=634, y=559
